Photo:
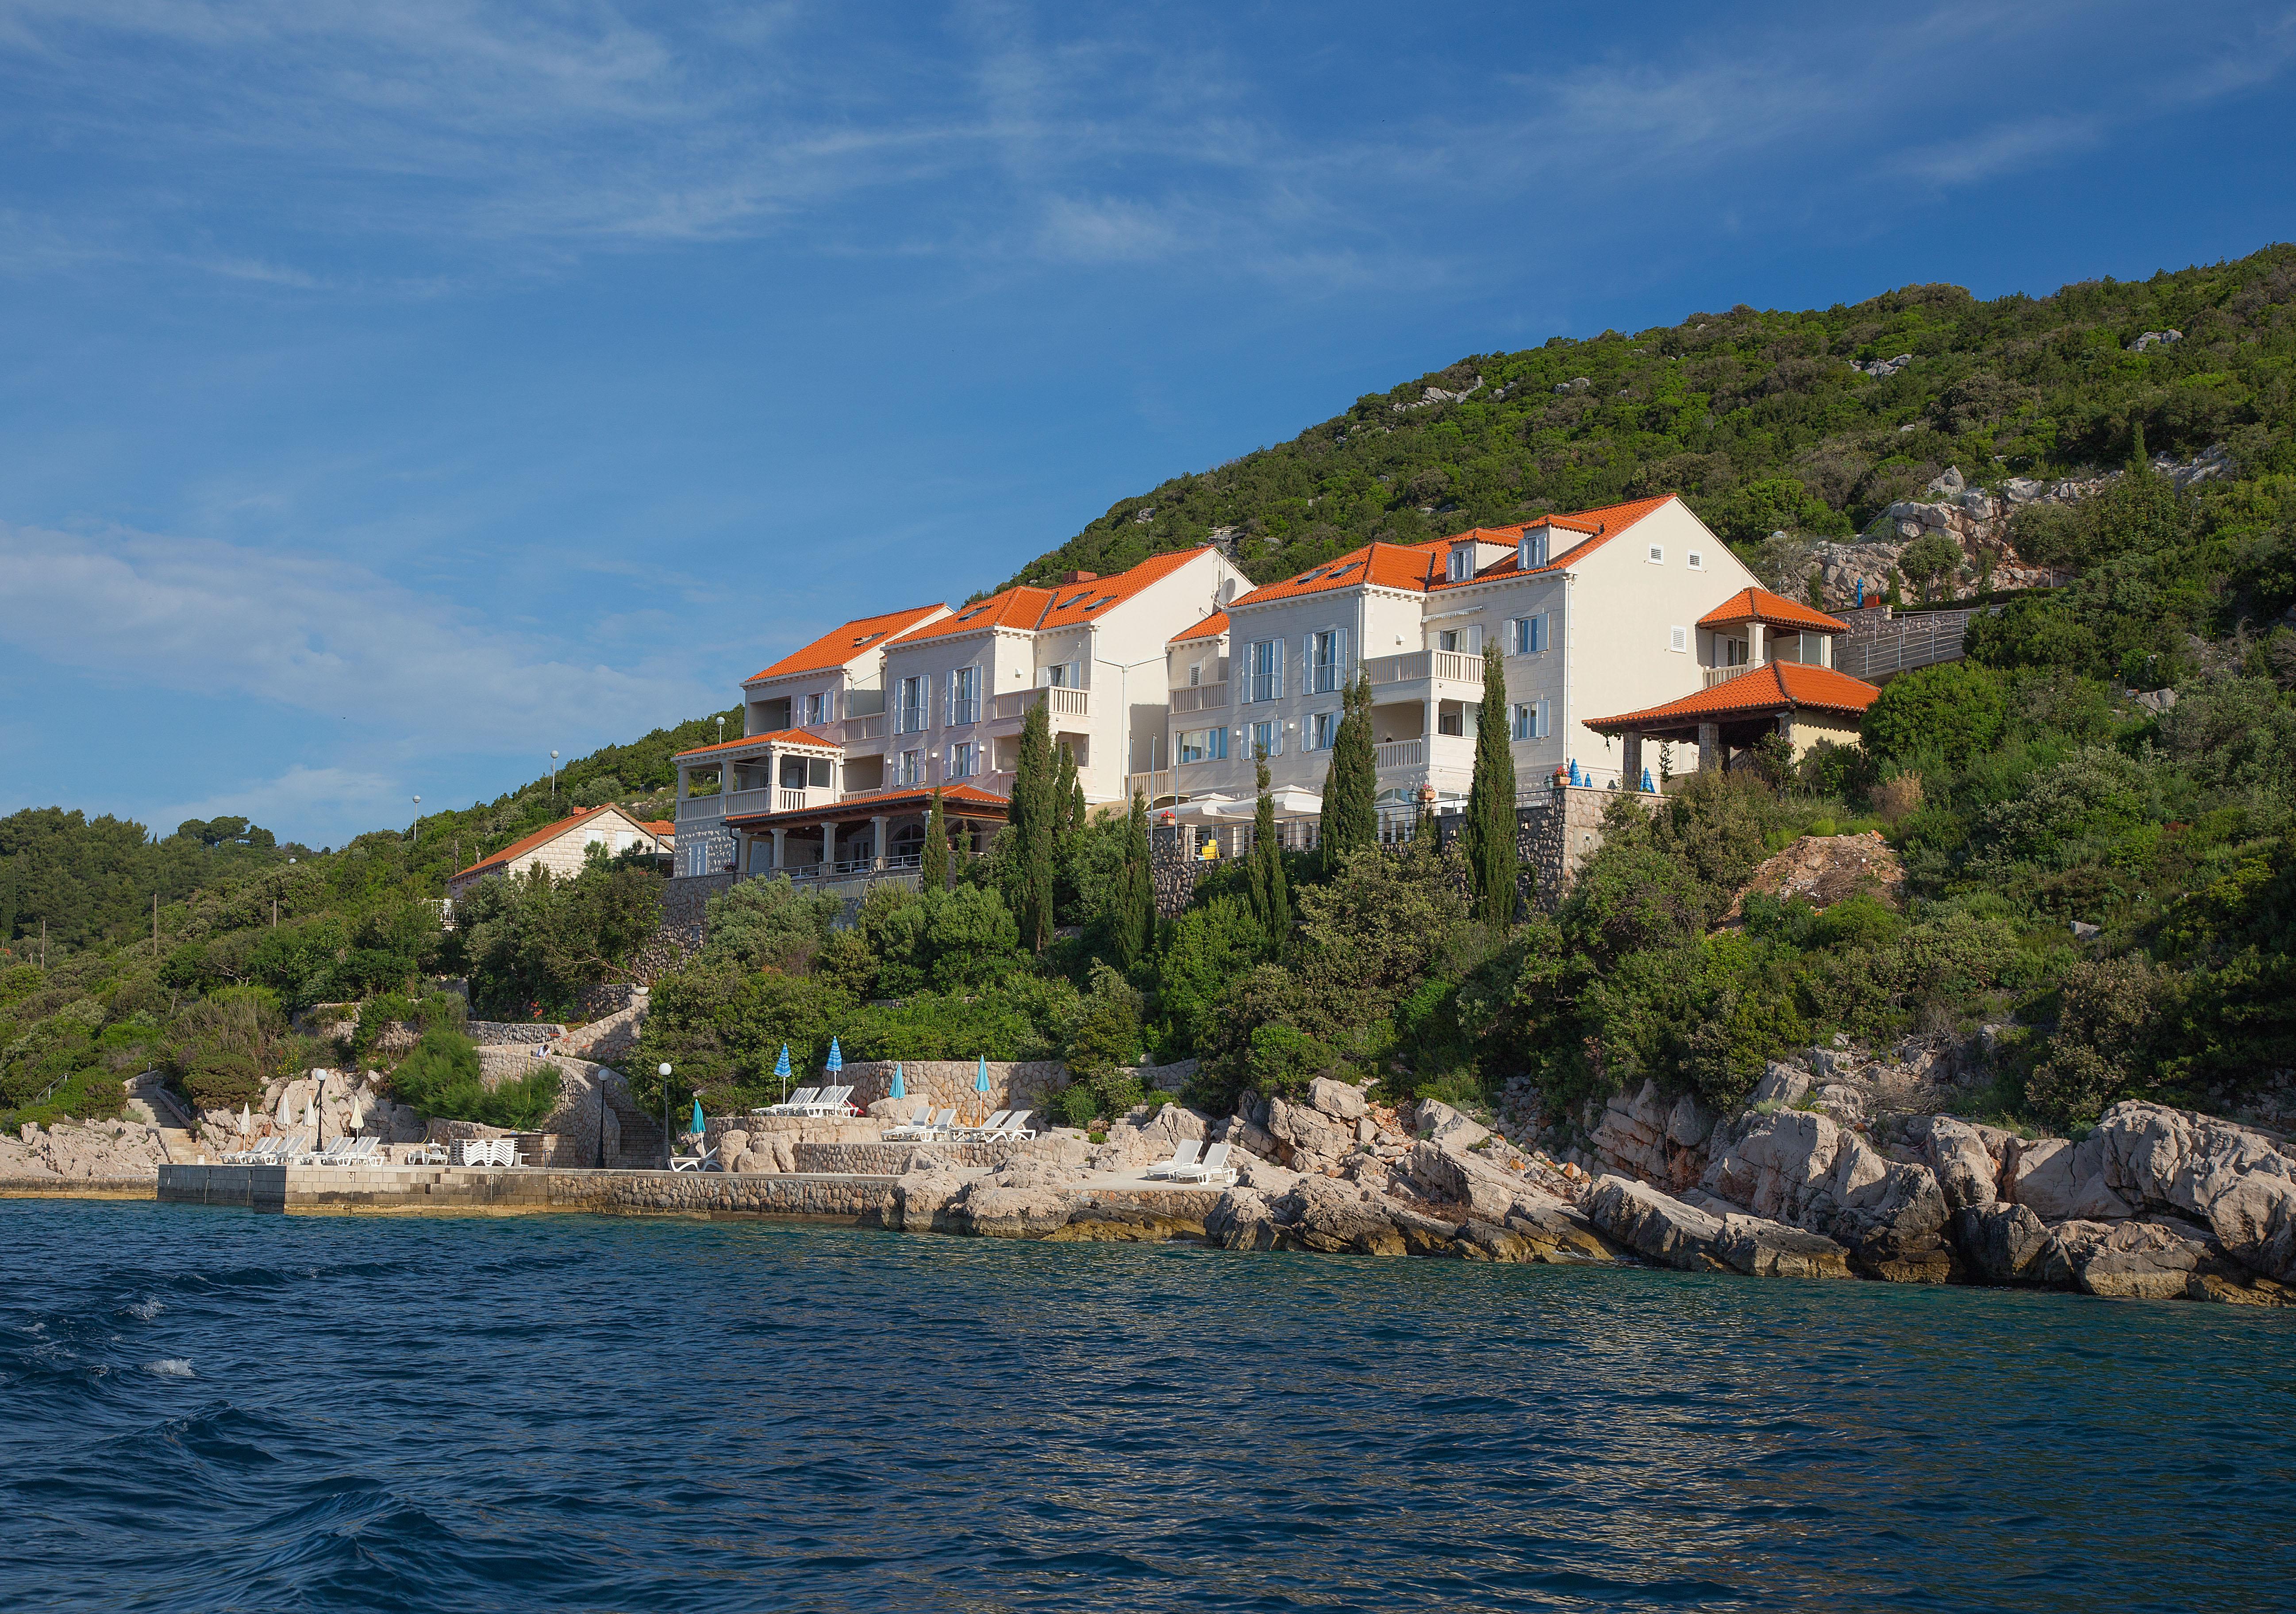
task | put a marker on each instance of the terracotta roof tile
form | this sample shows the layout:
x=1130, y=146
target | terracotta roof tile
x=841, y=644
x=1033, y=609
x=1760, y=605
x=1596, y=528
x=875, y=801
x=1772, y=687
x=1210, y=628
x=544, y=836
x=780, y=736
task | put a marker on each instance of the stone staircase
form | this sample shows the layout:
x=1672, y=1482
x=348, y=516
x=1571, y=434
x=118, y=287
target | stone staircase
x=182, y=1149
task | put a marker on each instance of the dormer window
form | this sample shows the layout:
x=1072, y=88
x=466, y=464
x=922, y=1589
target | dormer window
x=1534, y=551
x=1461, y=565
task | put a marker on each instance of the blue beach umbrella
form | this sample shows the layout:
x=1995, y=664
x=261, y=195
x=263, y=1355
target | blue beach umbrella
x=898, y=1090
x=836, y=1057
x=699, y=1125
x=1648, y=788
x=981, y=1080
x=1861, y=594
x=781, y=1069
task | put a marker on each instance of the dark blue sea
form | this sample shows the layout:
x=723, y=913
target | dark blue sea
x=209, y=1410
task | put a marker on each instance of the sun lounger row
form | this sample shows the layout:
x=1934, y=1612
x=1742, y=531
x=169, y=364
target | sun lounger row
x=812, y=1102
x=485, y=1152
x=1213, y=1170
x=270, y=1151
x=922, y=1128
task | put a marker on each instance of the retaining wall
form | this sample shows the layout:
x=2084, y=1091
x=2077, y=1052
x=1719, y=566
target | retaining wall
x=458, y=1190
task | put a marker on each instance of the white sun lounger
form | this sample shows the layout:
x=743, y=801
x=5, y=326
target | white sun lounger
x=986, y=1130
x=791, y=1105
x=1016, y=1125
x=707, y=1160
x=1213, y=1170
x=1184, y=1159
x=914, y=1128
x=830, y=1101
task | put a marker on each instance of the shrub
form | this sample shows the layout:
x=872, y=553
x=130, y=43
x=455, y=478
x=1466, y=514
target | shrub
x=1955, y=708
x=2109, y=1022
x=1284, y=1061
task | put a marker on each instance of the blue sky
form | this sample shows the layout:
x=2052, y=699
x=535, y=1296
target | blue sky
x=394, y=392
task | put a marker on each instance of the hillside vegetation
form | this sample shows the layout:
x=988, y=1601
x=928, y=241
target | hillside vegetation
x=2100, y=888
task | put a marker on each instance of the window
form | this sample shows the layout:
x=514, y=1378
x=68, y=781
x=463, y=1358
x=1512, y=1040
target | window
x=1265, y=680
x=1530, y=721
x=1322, y=730
x=820, y=772
x=1677, y=638
x=964, y=695
x=792, y=772
x=1460, y=564
x=1529, y=634
x=1204, y=745
x=1056, y=676
x=1268, y=738
x=1195, y=675
x=1326, y=656
x=915, y=693
x=1657, y=554
x=1697, y=562
x=964, y=760
x=1446, y=638
x=912, y=767
x=815, y=708
x=1533, y=553
x=1464, y=640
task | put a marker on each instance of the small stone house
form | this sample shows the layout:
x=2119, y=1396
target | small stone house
x=562, y=848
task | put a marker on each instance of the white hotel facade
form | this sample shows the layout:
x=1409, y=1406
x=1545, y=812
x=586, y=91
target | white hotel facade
x=1168, y=679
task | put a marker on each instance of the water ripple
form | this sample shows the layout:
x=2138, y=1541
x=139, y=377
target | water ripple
x=615, y=1414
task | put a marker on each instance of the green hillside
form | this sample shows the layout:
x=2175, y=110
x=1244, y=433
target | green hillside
x=1757, y=417
x=2100, y=889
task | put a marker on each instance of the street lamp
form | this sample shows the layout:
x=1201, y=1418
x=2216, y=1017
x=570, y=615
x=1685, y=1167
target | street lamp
x=553, y=782
x=418, y=820
x=665, y=1114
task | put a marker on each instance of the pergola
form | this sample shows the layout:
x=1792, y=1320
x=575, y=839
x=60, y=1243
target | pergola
x=1733, y=715
x=963, y=805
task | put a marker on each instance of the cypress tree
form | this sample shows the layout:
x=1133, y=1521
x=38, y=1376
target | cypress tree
x=1067, y=799
x=933, y=867
x=1136, y=899
x=1032, y=812
x=1351, y=782
x=1271, y=901
x=1489, y=828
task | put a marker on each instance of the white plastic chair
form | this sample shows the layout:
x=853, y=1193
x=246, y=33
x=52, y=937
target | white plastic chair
x=1212, y=1170
x=1184, y=1159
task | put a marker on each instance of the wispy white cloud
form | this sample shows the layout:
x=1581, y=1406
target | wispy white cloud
x=2008, y=147
x=320, y=635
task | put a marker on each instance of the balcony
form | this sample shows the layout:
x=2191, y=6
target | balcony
x=1723, y=675
x=1063, y=701
x=1444, y=666
x=876, y=726
x=1198, y=698
x=1423, y=752
x=700, y=809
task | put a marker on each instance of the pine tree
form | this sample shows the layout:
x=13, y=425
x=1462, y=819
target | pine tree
x=933, y=866
x=1136, y=899
x=1032, y=815
x=1489, y=829
x=1351, y=781
x=1271, y=901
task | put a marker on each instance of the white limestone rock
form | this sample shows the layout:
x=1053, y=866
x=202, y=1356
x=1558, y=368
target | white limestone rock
x=1803, y=1169
x=1338, y=1099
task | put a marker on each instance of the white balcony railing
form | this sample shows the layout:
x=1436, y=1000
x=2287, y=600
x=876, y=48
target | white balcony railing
x=1398, y=753
x=1723, y=675
x=873, y=727
x=1061, y=700
x=1448, y=665
x=696, y=809
x=758, y=800
x=1198, y=697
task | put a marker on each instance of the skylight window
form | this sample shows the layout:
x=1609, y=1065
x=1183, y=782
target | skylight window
x=1070, y=602
x=1103, y=600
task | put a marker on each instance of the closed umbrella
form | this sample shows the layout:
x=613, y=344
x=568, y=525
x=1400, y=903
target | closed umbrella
x=246, y=1119
x=781, y=1069
x=980, y=1084
x=899, y=1091
x=699, y=1125
x=836, y=1057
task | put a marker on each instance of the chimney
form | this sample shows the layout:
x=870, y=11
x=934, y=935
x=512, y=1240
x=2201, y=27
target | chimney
x=1068, y=578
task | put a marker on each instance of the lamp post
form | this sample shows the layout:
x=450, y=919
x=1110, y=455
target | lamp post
x=665, y=1115
x=418, y=820
x=600, y=1081
x=553, y=782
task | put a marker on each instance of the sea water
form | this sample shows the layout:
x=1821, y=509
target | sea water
x=211, y=1410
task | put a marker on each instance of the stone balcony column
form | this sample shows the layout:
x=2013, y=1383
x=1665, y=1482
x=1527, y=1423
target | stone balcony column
x=1709, y=747
x=1756, y=643
x=828, y=845
x=877, y=827
x=781, y=858
x=1631, y=759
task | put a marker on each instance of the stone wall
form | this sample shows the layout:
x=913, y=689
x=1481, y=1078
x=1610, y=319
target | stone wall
x=458, y=1190
x=1553, y=840
x=1171, y=869
x=947, y=1084
x=898, y=1159
x=500, y=1032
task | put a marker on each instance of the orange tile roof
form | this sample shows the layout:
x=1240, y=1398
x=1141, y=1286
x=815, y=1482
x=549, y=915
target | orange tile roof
x=1418, y=567
x=662, y=827
x=1772, y=687
x=780, y=736
x=1760, y=605
x=842, y=644
x=876, y=801
x=1210, y=628
x=1034, y=610
x=1598, y=526
x=543, y=837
